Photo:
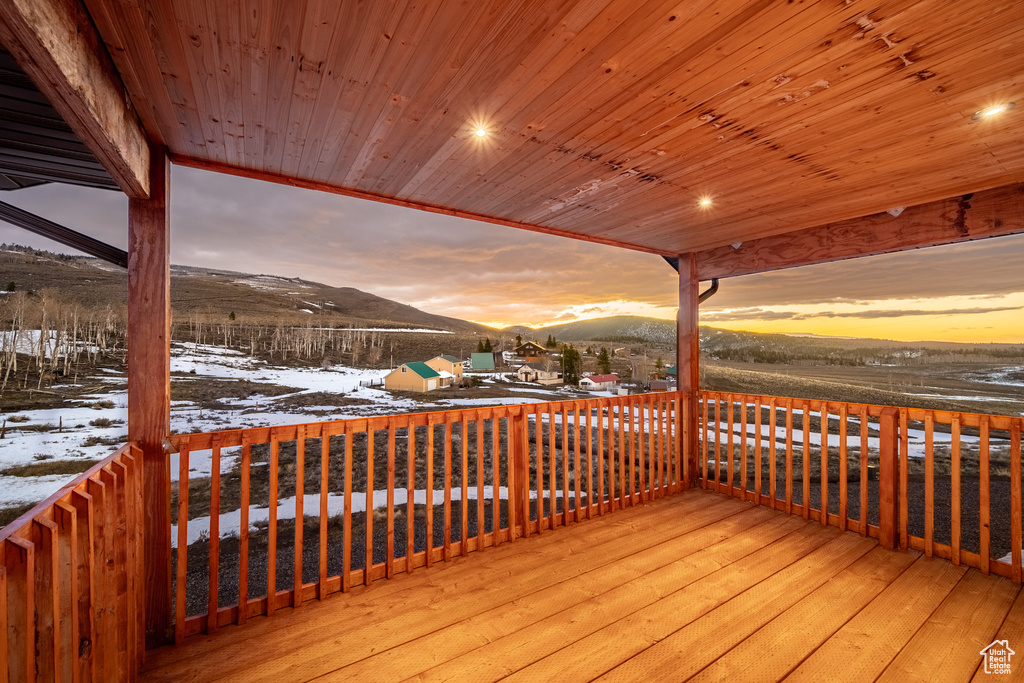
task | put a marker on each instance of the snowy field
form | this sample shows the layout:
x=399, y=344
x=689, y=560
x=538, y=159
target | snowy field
x=91, y=427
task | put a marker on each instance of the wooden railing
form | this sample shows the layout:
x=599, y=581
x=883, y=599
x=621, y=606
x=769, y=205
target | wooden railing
x=948, y=484
x=311, y=509
x=71, y=580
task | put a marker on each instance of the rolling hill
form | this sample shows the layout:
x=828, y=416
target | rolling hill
x=262, y=299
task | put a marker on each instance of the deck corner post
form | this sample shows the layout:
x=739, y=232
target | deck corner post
x=888, y=477
x=688, y=362
x=149, y=396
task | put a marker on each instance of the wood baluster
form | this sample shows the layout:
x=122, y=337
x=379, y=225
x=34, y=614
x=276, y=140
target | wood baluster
x=182, y=560
x=272, y=526
x=213, y=556
x=325, y=456
x=300, y=516
x=929, y=484
x=389, y=558
x=843, y=465
x=243, y=529
x=984, y=497
x=954, y=511
x=368, y=508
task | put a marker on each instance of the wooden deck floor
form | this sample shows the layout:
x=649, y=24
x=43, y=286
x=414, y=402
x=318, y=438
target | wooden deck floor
x=696, y=587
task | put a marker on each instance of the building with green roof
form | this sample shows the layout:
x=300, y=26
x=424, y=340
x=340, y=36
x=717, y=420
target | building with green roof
x=413, y=376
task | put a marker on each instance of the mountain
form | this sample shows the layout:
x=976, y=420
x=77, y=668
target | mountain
x=262, y=299
x=620, y=328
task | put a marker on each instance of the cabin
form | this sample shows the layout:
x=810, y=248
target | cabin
x=532, y=372
x=415, y=376
x=448, y=367
x=681, y=534
x=608, y=382
x=530, y=351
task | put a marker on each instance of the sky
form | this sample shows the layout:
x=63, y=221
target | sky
x=502, y=276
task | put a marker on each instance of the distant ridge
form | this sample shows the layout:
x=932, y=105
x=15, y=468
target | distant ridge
x=619, y=328
x=262, y=299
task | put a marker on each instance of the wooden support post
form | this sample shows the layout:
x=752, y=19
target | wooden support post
x=687, y=362
x=518, y=427
x=888, y=477
x=149, y=393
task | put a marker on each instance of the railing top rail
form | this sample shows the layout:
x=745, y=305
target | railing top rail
x=21, y=522
x=917, y=414
x=258, y=435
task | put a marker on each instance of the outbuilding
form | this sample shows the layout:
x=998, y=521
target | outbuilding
x=600, y=382
x=415, y=376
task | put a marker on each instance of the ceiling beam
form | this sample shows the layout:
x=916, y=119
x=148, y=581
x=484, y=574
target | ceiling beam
x=56, y=44
x=991, y=213
x=66, y=236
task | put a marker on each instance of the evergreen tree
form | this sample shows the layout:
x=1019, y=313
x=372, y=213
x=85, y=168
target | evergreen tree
x=604, y=363
x=479, y=347
x=10, y=286
x=231, y=315
x=658, y=365
x=519, y=340
x=487, y=345
x=551, y=343
x=572, y=364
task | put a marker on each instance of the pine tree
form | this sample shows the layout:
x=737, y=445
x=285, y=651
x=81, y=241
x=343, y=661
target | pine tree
x=572, y=363
x=519, y=340
x=487, y=345
x=231, y=315
x=658, y=365
x=479, y=347
x=604, y=363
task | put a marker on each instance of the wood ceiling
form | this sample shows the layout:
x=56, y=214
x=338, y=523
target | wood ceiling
x=606, y=120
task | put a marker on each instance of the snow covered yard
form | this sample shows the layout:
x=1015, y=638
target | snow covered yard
x=41, y=450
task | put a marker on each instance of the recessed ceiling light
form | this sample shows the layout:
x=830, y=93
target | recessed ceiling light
x=480, y=132
x=704, y=202
x=993, y=111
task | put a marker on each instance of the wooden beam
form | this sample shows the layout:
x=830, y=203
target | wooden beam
x=56, y=44
x=991, y=213
x=688, y=357
x=149, y=384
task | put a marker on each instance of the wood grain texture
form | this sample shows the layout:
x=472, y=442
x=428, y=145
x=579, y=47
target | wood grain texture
x=149, y=381
x=605, y=121
x=688, y=365
x=991, y=213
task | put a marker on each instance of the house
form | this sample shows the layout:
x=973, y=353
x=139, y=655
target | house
x=483, y=361
x=530, y=349
x=414, y=376
x=536, y=373
x=600, y=382
x=663, y=385
x=449, y=367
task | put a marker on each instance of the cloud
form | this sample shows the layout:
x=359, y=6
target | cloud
x=762, y=314
x=747, y=314
x=901, y=313
x=480, y=271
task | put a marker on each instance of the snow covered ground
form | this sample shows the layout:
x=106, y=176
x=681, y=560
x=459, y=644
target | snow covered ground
x=96, y=425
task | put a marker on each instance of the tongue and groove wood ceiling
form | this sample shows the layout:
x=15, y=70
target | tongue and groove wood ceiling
x=606, y=120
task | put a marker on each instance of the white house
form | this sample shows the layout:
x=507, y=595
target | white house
x=535, y=373
x=600, y=382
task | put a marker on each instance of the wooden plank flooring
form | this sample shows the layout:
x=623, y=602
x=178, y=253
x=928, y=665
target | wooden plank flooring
x=697, y=586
